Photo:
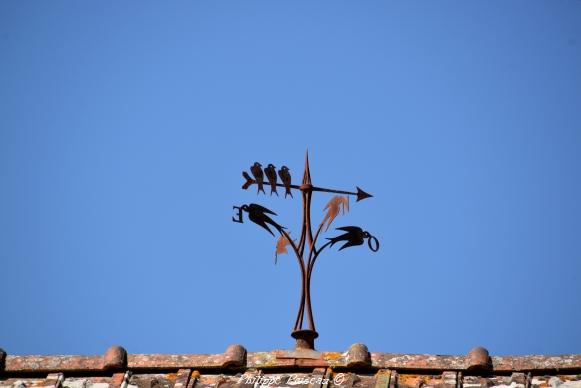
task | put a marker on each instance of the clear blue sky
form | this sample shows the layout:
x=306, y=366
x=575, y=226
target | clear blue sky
x=124, y=127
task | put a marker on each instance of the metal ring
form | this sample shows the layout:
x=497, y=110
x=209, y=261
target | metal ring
x=376, y=243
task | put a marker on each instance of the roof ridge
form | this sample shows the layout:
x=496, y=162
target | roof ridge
x=116, y=358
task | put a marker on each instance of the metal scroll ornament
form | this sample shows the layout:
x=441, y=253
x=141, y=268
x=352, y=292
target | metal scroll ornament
x=305, y=248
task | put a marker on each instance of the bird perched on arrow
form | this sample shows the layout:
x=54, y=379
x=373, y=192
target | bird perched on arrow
x=270, y=172
x=285, y=177
x=354, y=236
x=256, y=170
x=258, y=215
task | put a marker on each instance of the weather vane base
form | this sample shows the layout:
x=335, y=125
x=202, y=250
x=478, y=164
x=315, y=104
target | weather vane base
x=305, y=339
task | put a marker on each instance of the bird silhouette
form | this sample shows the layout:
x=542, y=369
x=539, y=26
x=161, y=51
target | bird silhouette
x=270, y=172
x=258, y=215
x=354, y=236
x=285, y=177
x=256, y=170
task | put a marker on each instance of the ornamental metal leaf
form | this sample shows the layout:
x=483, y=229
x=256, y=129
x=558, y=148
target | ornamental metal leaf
x=281, y=245
x=335, y=205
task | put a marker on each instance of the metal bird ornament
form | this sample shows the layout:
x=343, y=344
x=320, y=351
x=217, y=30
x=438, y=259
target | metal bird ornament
x=256, y=170
x=354, y=236
x=258, y=215
x=270, y=172
x=307, y=247
x=285, y=177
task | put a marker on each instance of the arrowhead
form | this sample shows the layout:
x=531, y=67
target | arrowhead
x=362, y=194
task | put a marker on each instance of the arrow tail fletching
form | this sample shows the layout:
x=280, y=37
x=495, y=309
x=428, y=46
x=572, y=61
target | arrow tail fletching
x=249, y=180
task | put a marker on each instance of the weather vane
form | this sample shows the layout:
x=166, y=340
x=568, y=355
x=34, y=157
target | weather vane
x=351, y=236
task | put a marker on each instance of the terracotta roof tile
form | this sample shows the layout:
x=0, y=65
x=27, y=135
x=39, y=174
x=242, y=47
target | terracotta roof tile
x=356, y=367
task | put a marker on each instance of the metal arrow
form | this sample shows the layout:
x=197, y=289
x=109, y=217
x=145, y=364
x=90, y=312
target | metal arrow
x=361, y=195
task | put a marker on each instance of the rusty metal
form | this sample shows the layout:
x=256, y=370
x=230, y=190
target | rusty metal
x=303, y=332
x=270, y=172
x=285, y=176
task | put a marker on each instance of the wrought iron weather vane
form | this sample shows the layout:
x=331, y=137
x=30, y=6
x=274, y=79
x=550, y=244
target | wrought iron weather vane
x=352, y=236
